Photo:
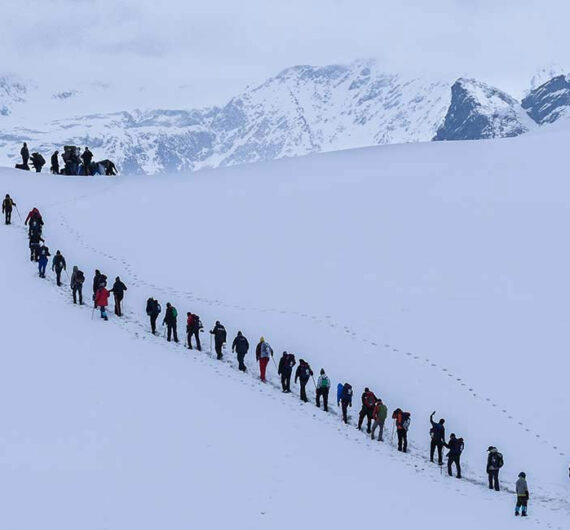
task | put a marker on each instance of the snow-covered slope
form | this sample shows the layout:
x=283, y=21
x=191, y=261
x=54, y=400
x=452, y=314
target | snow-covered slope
x=433, y=273
x=478, y=111
x=304, y=109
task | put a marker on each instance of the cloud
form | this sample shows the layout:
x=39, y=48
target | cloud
x=223, y=44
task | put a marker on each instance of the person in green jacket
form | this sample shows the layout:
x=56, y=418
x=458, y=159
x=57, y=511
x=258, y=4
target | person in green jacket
x=379, y=416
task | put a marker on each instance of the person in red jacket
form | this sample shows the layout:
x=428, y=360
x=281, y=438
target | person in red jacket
x=102, y=300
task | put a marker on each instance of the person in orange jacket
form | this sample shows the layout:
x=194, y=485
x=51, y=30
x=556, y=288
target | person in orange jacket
x=402, y=425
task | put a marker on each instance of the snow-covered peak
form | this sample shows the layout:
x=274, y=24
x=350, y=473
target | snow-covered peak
x=550, y=101
x=479, y=111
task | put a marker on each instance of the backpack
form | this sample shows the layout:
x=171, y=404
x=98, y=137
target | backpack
x=369, y=399
x=307, y=371
x=406, y=420
x=174, y=312
x=79, y=277
x=325, y=381
x=347, y=392
x=497, y=460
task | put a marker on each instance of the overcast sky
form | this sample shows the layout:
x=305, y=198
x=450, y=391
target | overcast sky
x=216, y=47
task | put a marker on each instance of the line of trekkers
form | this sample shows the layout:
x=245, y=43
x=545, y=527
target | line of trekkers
x=373, y=409
x=74, y=162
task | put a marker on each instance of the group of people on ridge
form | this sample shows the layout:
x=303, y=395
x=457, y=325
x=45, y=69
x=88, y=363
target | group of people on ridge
x=373, y=409
x=74, y=162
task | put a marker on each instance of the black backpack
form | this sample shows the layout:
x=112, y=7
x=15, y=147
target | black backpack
x=79, y=277
x=497, y=460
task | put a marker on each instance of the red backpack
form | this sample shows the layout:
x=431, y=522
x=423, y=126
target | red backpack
x=369, y=399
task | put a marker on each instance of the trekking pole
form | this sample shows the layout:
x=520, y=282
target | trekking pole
x=92, y=312
x=274, y=363
x=210, y=343
x=313, y=378
x=18, y=212
x=67, y=274
x=393, y=425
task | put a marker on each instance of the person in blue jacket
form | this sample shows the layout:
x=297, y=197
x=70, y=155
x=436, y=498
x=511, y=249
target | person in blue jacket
x=43, y=260
x=344, y=399
x=437, y=433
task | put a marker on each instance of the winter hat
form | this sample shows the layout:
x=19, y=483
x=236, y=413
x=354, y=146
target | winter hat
x=491, y=448
x=522, y=474
x=452, y=435
x=366, y=389
x=322, y=371
x=261, y=339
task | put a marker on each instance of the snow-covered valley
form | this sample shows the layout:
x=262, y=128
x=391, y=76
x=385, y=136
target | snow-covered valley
x=434, y=273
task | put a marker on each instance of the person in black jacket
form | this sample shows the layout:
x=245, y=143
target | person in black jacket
x=76, y=284
x=87, y=156
x=437, y=439
x=368, y=403
x=118, y=291
x=55, y=163
x=153, y=309
x=455, y=446
x=170, y=317
x=303, y=374
x=285, y=370
x=58, y=265
x=494, y=464
x=7, y=205
x=220, y=336
x=25, y=152
x=35, y=243
x=240, y=346
x=38, y=162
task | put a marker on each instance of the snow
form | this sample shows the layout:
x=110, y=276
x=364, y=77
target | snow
x=433, y=273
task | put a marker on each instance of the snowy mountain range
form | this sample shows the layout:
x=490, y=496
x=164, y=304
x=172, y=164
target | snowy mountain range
x=302, y=110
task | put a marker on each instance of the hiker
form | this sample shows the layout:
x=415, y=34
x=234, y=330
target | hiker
x=118, y=291
x=87, y=156
x=344, y=399
x=240, y=345
x=35, y=244
x=455, y=446
x=102, y=300
x=76, y=284
x=285, y=370
x=193, y=327
x=35, y=220
x=522, y=495
x=7, y=205
x=303, y=374
x=220, y=337
x=494, y=463
x=58, y=264
x=99, y=280
x=38, y=162
x=25, y=152
x=54, y=163
x=402, y=425
x=170, y=316
x=153, y=309
x=108, y=166
x=262, y=353
x=368, y=401
x=437, y=433
x=379, y=415
x=323, y=386
x=43, y=254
